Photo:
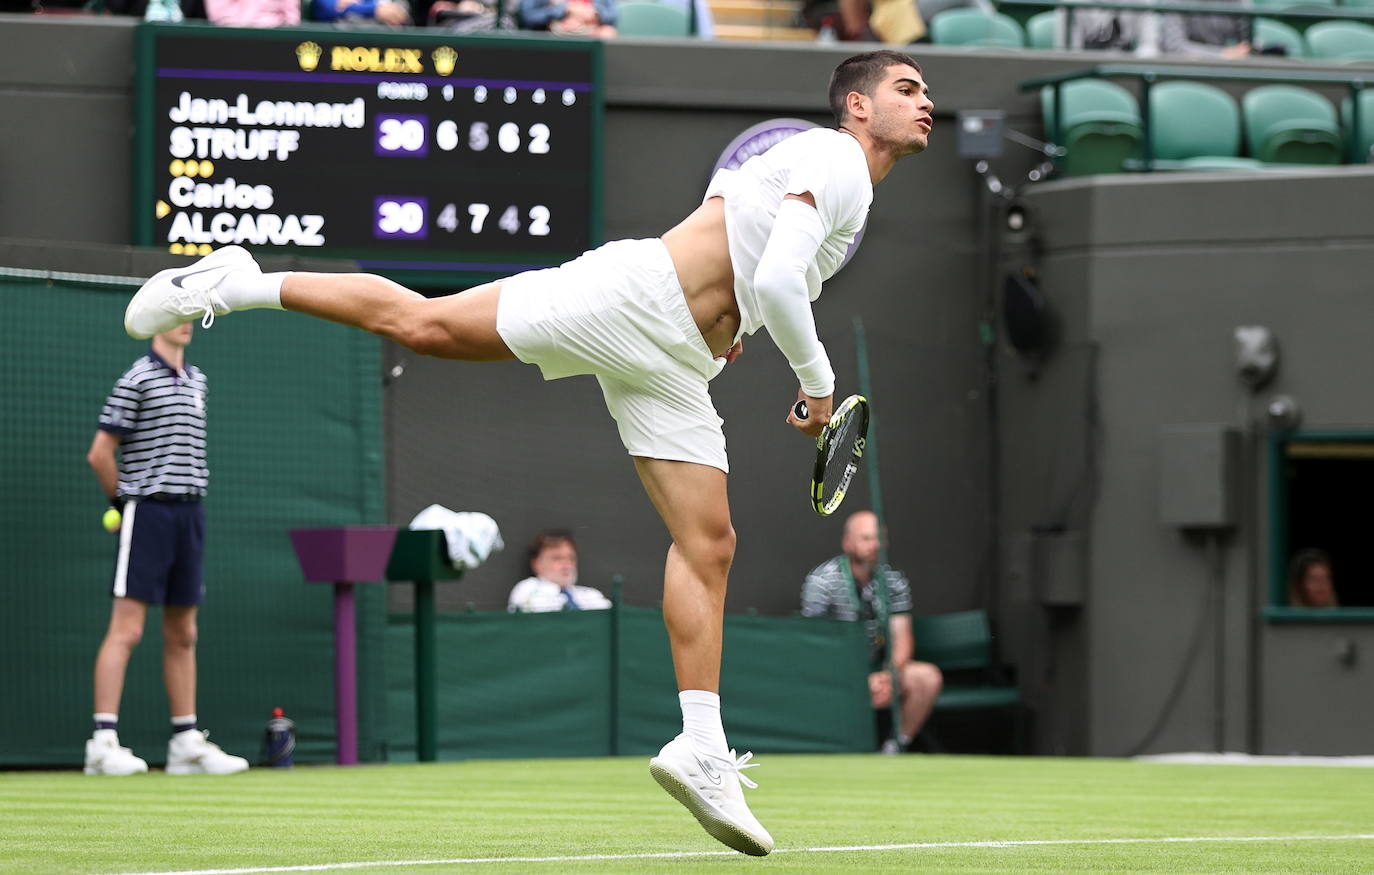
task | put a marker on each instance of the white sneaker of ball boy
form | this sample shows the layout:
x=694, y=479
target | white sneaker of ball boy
x=104, y=756
x=190, y=752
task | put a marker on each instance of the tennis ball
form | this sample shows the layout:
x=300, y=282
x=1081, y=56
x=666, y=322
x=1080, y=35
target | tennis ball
x=111, y=520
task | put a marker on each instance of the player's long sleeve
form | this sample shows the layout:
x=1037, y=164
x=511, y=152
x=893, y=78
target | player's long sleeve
x=783, y=297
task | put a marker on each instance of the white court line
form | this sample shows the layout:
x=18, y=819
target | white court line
x=675, y=855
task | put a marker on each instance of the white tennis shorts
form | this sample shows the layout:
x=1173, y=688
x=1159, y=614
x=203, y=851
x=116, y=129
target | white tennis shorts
x=618, y=312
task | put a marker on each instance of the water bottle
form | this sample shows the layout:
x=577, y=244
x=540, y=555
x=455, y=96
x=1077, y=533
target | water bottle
x=827, y=33
x=280, y=742
x=157, y=11
x=164, y=10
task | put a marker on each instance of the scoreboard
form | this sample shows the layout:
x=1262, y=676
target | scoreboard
x=431, y=159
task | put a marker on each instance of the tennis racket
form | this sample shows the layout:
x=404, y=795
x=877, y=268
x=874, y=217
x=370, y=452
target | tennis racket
x=839, y=450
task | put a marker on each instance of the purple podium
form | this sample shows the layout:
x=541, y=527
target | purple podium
x=344, y=556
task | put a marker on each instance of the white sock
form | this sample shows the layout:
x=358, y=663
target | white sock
x=183, y=723
x=249, y=290
x=701, y=720
x=106, y=723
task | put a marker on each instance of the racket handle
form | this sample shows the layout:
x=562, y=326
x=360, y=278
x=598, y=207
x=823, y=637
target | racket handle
x=800, y=410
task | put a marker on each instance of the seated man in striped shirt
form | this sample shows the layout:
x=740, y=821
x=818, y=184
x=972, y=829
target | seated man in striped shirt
x=843, y=588
x=155, y=418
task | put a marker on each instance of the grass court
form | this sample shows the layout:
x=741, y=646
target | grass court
x=852, y=813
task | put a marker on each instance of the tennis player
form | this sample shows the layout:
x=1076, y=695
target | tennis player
x=654, y=320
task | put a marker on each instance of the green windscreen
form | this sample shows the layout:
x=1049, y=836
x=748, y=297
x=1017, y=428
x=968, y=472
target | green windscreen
x=595, y=683
x=294, y=422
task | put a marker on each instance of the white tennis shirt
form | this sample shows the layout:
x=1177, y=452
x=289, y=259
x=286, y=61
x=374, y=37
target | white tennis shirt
x=829, y=164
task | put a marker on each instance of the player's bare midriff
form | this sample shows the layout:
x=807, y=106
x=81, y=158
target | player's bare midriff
x=701, y=254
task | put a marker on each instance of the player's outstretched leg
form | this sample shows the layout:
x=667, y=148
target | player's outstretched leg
x=461, y=326
x=698, y=768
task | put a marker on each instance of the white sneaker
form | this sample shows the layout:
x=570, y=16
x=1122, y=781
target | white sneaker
x=180, y=294
x=191, y=753
x=709, y=786
x=104, y=756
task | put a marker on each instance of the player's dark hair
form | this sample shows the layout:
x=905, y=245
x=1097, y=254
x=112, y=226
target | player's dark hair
x=862, y=73
x=550, y=538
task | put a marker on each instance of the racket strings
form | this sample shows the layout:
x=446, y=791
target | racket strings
x=839, y=449
x=839, y=454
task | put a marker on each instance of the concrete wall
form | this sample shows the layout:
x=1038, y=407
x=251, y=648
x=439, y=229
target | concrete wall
x=1148, y=276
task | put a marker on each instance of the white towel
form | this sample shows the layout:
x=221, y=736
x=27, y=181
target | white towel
x=471, y=537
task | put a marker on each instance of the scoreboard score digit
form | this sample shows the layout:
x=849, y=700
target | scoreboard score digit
x=421, y=157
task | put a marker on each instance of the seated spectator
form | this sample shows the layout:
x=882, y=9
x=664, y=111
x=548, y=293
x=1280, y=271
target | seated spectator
x=1149, y=34
x=895, y=22
x=469, y=16
x=553, y=586
x=1104, y=29
x=1310, y=582
x=573, y=17
x=1215, y=37
x=391, y=13
x=253, y=13
x=843, y=588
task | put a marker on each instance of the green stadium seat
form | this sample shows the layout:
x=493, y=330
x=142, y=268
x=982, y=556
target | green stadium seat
x=1340, y=41
x=1278, y=7
x=1100, y=129
x=931, y=8
x=1364, y=148
x=975, y=28
x=954, y=642
x=961, y=645
x=1271, y=32
x=652, y=19
x=1042, y=30
x=1285, y=124
x=1194, y=126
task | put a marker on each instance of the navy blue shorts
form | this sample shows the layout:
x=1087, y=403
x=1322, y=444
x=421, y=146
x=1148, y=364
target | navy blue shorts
x=161, y=545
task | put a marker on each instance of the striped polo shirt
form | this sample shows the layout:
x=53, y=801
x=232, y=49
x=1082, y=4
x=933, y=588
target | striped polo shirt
x=159, y=414
x=830, y=591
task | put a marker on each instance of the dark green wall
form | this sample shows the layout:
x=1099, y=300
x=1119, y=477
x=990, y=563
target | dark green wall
x=596, y=683
x=294, y=421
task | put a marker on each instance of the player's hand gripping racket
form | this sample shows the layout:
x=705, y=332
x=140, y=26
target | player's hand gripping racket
x=838, y=451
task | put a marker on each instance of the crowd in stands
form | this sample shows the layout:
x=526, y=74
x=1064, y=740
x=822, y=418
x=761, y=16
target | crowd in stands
x=595, y=18
x=974, y=23
x=1144, y=33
